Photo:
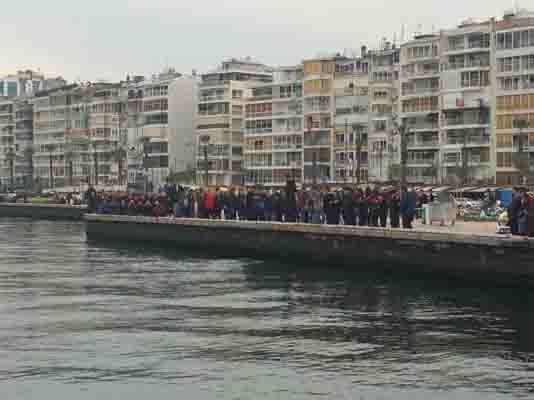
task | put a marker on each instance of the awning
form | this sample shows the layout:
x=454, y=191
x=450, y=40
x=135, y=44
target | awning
x=482, y=190
x=441, y=189
x=465, y=189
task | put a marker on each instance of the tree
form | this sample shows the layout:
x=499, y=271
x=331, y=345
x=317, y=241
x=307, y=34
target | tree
x=394, y=172
x=69, y=160
x=27, y=154
x=10, y=159
x=119, y=156
x=521, y=158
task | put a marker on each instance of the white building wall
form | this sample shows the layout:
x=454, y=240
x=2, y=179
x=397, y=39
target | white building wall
x=183, y=94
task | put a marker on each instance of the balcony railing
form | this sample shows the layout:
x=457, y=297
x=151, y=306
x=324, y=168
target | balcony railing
x=470, y=141
x=423, y=143
x=467, y=64
x=259, y=114
x=211, y=98
x=465, y=121
x=408, y=92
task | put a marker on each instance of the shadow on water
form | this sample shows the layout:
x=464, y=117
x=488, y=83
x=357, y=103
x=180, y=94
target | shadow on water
x=403, y=304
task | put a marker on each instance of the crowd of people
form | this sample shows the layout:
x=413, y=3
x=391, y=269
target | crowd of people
x=321, y=205
x=520, y=213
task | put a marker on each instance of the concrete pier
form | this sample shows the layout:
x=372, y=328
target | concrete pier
x=397, y=250
x=42, y=211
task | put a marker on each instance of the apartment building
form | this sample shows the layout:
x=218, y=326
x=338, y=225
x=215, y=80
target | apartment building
x=7, y=141
x=384, y=88
x=154, y=144
x=319, y=111
x=467, y=154
x=514, y=91
x=220, y=119
x=419, y=112
x=273, y=136
x=78, y=135
x=351, y=101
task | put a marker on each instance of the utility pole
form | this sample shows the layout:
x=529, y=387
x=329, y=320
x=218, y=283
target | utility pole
x=357, y=129
x=346, y=158
x=95, y=157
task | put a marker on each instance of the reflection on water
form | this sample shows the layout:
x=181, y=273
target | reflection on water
x=79, y=319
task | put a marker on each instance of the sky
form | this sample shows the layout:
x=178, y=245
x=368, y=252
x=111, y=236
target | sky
x=108, y=39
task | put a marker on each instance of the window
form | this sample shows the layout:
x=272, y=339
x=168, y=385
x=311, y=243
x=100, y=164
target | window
x=500, y=41
x=504, y=160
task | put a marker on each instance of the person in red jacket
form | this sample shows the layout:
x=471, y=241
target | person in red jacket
x=209, y=204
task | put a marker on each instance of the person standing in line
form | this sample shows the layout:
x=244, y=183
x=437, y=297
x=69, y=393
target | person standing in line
x=91, y=198
x=348, y=208
x=408, y=203
x=394, y=209
x=513, y=211
x=291, y=201
x=383, y=206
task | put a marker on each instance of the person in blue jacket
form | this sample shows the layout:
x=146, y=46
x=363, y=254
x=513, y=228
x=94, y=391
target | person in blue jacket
x=408, y=203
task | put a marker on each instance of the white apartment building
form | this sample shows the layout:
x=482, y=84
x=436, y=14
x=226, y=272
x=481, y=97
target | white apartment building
x=273, y=129
x=220, y=120
x=419, y=98
x=467, y=148
x=153, y=147
x=514, y=90
x=183, y=99
x=351, y=119
x=384, y=88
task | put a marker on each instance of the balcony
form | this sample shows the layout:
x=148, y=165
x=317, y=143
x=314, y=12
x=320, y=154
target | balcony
x=422, y=143
x=467, y=64
x=255, y=131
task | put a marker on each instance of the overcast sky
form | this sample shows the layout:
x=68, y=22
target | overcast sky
x=107, y=39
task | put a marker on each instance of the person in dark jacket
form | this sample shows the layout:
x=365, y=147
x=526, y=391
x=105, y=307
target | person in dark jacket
x=363, y=208
x=383, y=208
x=348, y=208
x=332, y=208
x=513, y=211
x=394, y=209
x=91, y=198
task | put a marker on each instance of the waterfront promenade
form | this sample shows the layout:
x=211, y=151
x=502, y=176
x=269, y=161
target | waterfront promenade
x=427, y=249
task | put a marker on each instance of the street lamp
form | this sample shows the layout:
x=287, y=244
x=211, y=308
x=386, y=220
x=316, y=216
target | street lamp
x=205, y=140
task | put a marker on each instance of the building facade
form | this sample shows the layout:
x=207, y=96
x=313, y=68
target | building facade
x=79, y=133
x=220, y=120
x=273, y=129
x=419, y=107
x=351, y=119
x=514, y=91
x=384, y=89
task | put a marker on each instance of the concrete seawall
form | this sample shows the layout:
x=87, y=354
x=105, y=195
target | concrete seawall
x=481, y=256
x=42, y=211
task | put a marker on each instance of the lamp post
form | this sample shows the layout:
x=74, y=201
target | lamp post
x=402, y=131
x=205, y=140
